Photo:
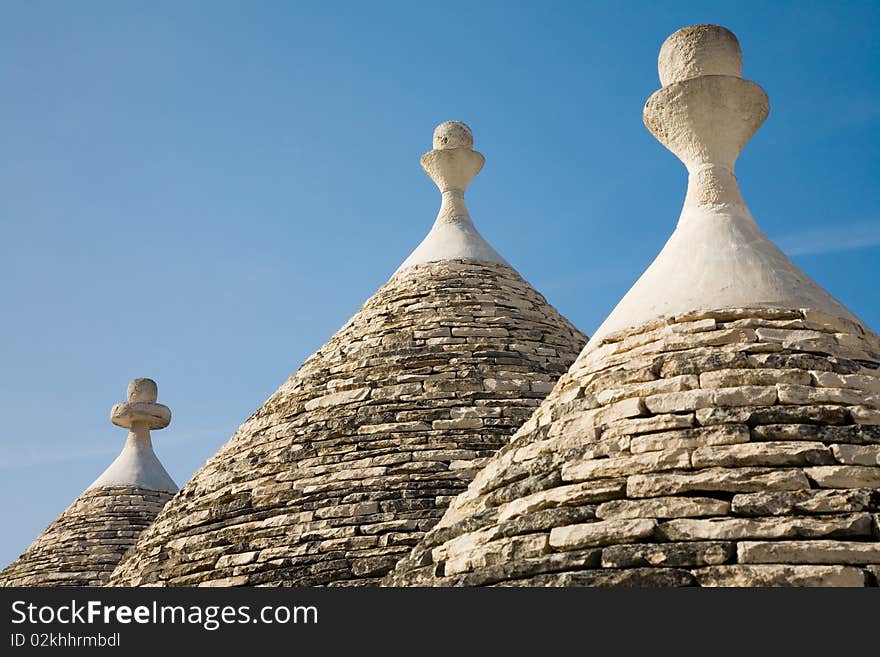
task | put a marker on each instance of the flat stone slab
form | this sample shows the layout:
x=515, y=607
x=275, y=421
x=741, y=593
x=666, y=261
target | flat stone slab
x=809, y=552
x=734, y=480
x=668, y=554
x=663, y=507
x=780, y=575
x=857, y=524
x=805, y=501
x=604, y=532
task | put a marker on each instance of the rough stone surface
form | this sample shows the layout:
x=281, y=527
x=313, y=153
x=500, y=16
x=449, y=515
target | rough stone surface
x=805, y=502
x=819, y=552
x=356, y=456
x=780, y=575
x=668, y=554
x=85, y=543
x=700, y=498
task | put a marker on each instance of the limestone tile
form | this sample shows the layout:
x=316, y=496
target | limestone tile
x=857, y=454
x=817, y=501
x=637, y=426
x=844, y=476
x=619, y=466
x=668, y=554
x=779, y=575
x=663, y=507
x=724, y=434
x=571, y=495
x=809, y=552
x=747, y=377
x=785, y=453
x=603, y=532
x=732, y=480
x=690, y=529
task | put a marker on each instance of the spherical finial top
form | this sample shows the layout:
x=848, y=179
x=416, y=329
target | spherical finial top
x=142, y=390
x=453, y=134
x=699, y=50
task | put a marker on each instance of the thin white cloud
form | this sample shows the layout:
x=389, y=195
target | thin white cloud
x=844, y=237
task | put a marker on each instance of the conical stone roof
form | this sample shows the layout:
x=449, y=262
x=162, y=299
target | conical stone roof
x=722, y=428
x=85, y=543
x=357, y=454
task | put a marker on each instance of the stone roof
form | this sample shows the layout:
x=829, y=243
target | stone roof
x=357, y=454
x=722, y=428
x=83, y=545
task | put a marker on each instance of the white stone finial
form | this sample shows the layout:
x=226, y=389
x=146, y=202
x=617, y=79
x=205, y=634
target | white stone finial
x=137, y=465
x=717, y=257
x=452, y=165
x=705, y=113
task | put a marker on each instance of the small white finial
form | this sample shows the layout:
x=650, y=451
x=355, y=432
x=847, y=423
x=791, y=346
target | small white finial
x=699, y=50
x=452, y=164
x=137, y=464
x=453, y=134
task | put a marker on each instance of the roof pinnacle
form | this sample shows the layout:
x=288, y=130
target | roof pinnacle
x=452, y=165
x=705, y=113
x=717, y=257
x=137, y=464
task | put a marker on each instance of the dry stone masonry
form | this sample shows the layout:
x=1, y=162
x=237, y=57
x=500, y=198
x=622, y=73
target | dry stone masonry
x=357, y=455
x=85, y=543
x=723, y=426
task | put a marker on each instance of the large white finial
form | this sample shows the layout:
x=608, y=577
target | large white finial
x=705, y=113
x=452, y=165
x=137, y=464
x=717, y=257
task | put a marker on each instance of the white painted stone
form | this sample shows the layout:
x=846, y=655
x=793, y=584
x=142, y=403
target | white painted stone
x=137, y=463
x=452, y=165
x=717, y=257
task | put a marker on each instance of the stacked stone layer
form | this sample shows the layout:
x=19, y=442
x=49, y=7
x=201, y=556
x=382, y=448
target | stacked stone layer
x=85, y=543
x=731, y=448
x=357, y=455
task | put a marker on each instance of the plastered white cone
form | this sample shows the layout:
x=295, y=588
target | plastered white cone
x=452, y=164
x=137, y=464
x=717, y=257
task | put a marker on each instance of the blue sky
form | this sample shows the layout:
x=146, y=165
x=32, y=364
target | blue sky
x=204, y=192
